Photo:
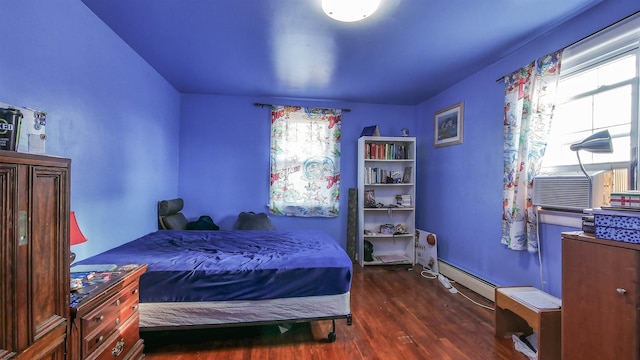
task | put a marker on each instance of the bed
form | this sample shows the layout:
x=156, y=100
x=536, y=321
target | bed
x=237, y=277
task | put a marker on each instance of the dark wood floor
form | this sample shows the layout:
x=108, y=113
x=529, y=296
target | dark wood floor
x=397, y=314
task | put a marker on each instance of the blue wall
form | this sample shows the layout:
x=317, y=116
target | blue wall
x=460, y=186
x=107, y=110
x=224, y=156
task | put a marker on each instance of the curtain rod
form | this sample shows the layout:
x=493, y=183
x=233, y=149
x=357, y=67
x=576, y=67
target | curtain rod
x=263, y=105
x=588, y=36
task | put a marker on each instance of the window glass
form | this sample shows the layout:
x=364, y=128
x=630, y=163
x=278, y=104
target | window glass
x=603, y=96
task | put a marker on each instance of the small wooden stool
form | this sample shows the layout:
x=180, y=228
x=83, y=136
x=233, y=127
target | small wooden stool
x=511, y=316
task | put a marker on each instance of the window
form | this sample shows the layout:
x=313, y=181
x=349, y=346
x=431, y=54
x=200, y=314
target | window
x=598, y=90
x=305, y=161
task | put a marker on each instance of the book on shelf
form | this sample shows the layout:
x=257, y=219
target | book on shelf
x=370, y=131
x=396, y=176
x=403, y=200
x=407, y=176
x=385, y=151
x=393, y=258
x=369, y=198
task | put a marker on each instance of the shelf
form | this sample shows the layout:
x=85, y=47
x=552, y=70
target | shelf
x=390, y=259
x=389, y=208
x=381, y=236
x=390, y=184
x=389, y=160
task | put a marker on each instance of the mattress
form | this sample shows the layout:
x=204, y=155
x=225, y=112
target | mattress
x=210, y=266
x=167, y=315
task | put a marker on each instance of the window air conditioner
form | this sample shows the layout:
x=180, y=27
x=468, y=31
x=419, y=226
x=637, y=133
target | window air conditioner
x=572, y=191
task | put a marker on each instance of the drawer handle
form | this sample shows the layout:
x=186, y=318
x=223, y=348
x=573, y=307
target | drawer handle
x=117, y=321
x=134, y=307
x=117, y=350
x=621, y=291
x=135, y=291
x=99, y=340
x=100, y=318
x=118, y=302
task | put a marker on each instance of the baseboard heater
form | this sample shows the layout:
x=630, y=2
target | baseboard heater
x=472, y=282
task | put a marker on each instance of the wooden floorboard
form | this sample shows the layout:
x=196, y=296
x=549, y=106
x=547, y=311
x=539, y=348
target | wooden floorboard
x=397, y=314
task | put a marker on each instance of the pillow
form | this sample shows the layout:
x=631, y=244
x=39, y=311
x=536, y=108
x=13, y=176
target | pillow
x=170, y=207
x=204, y=222
x=174, y=222
x=253, y=221
x=170, y=216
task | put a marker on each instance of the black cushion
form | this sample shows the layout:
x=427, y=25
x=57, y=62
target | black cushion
x=174, y=222
x=253, y=221
x=170, y=216
x=204, y=222
x=168, y=207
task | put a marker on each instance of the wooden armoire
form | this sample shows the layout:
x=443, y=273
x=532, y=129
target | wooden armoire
x=34, y=256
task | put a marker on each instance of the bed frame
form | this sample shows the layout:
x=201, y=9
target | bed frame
x=199, y=315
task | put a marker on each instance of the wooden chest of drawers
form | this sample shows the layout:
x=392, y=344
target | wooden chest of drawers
x=104, y=323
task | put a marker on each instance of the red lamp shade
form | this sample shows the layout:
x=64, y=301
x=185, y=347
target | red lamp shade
x=75, y=235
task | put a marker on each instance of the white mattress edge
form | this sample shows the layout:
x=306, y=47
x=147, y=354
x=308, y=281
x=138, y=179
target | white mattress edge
x=173, y=314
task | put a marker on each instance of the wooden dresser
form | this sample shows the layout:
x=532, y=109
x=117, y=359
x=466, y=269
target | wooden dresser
x=34, y=256
x=104, y=319
x=600, y=298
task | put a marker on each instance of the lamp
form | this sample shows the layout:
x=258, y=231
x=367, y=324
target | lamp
x=75, y=235
x=599, y=142
x=349, y=10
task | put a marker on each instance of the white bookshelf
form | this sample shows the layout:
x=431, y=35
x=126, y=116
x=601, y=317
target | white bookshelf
x=398, y=155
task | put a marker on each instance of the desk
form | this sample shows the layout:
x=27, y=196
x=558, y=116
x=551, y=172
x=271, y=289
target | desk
x=513, y=316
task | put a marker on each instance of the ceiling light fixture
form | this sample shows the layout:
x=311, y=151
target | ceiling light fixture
x=349, y=10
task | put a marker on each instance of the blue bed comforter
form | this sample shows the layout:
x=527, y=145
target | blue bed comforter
x=234, y=265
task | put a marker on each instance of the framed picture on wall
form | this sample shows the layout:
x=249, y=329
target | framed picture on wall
x=448, y=126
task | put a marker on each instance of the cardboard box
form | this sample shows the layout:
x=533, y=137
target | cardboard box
x=627, y=199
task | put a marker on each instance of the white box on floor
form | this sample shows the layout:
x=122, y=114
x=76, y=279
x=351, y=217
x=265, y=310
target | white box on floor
x=427, y=250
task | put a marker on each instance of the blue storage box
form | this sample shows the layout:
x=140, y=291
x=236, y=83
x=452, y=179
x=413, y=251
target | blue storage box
x=617, y=225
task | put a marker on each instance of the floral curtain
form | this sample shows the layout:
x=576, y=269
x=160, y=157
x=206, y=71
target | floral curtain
x=305, y=161
x=528, y=109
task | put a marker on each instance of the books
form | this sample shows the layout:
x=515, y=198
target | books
x=385, y=151
x=395, y=176
x=403, y=200
x=369, y=198
x=93, y=268
x=407, y=176
x=393, y=258
x=370, y=131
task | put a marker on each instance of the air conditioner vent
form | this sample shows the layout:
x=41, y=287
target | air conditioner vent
x=572, y=191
